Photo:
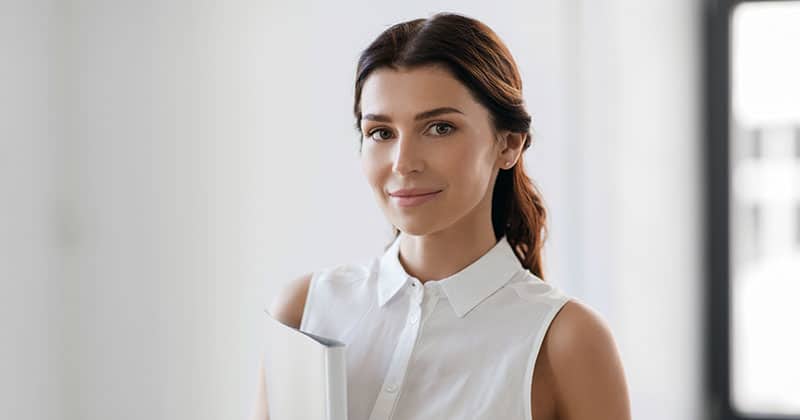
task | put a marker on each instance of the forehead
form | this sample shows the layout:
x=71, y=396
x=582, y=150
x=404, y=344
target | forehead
x=404, y=92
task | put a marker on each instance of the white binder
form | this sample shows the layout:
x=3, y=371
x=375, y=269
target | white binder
x=306, y=375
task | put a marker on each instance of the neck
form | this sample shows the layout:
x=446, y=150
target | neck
x=439, y=255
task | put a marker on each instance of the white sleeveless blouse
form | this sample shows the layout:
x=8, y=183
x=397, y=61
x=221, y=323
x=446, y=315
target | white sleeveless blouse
x=462, y=347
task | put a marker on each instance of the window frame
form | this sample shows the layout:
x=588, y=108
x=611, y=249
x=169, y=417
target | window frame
x=717, y=172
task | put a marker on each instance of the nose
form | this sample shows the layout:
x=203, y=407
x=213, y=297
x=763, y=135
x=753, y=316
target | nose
x=408, y=155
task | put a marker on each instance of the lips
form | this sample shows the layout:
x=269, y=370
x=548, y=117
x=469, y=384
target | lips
x=411, y=198
x=413, y=192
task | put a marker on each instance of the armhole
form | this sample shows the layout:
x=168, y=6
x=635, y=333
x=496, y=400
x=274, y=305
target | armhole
x=537, y=345
x=307, y=303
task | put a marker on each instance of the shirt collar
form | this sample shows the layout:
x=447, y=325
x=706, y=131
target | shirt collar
x=464, y=289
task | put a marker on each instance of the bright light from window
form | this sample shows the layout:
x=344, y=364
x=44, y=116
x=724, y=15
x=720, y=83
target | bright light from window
x=765, y=206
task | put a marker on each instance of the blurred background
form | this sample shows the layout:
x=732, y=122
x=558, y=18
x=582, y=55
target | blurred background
x=166, y=166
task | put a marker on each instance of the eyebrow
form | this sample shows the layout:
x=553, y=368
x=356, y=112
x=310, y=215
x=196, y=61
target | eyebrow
x=421, y=116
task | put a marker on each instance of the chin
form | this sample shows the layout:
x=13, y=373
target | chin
x=411, y=231
x=417, y=227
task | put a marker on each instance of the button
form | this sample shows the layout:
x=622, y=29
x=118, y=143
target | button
x=414, y=319
x=391, y=388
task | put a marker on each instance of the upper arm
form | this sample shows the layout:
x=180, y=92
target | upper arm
x=588, y=376
x=287, y=306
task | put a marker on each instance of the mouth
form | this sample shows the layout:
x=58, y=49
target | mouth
x=414, y=200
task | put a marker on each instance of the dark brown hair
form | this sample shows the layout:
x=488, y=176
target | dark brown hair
x=476, y=56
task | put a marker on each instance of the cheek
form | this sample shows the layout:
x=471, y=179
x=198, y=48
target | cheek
x=463, y=162
x=372, y=169
x=467, y=171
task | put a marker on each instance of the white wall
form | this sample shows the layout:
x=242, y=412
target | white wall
x=207, y=156
x=30, y=239
x=641, y=145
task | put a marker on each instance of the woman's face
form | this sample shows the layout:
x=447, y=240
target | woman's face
x=452, y=149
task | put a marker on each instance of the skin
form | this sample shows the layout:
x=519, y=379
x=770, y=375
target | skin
x=578, y=374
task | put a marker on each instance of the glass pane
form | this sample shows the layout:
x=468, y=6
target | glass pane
x=765, y=208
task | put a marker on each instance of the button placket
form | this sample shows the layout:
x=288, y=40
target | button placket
x=431, y=298
x=387, y=398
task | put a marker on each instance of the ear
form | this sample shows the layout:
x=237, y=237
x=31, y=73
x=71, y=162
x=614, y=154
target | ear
x=510, y=147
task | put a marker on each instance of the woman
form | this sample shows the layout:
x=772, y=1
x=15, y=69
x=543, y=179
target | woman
x=454, y=320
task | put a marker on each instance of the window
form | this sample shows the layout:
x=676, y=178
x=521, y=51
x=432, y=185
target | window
x=752, y=79
x=756, y=143
x=797, y=225
x=797, y=141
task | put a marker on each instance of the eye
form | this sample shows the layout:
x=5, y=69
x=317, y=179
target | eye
x=377, y=130
x=449, y=128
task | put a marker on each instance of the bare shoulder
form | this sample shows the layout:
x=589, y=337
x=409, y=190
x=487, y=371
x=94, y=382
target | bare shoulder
x=588, y=377
x=288, y=304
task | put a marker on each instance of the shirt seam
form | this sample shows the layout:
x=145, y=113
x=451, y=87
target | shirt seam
x=533, y=356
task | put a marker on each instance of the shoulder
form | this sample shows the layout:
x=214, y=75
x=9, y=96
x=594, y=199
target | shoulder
x=288, y=304
x=588, y=376
x=577, y=323
x=531, y=288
